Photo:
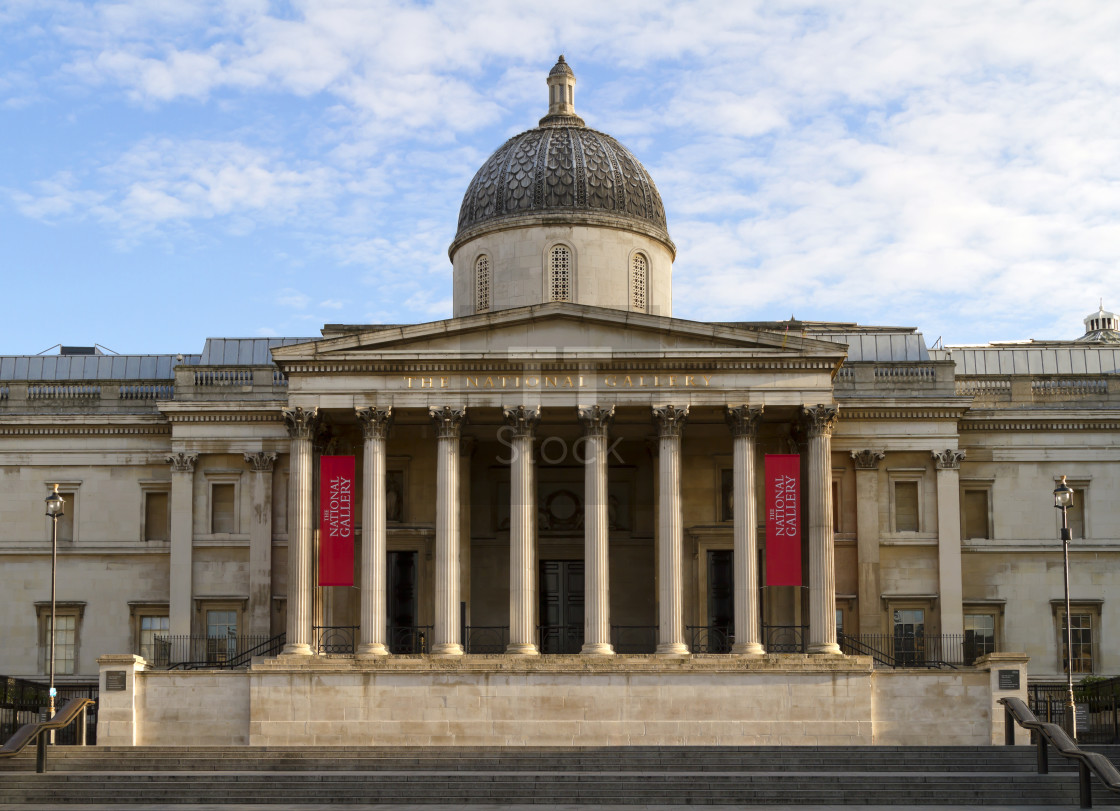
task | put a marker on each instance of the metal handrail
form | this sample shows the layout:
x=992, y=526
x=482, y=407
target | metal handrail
x=71, y=711
x=242, y=658
x=1016, y=711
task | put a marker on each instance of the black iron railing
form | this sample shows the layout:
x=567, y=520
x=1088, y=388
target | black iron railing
x=912, y=650
x=406, y=639
x=335, y=638
x=22, y=701
x=560, y=638
x=710, y=638
x=1100, y=699
x=485, y=638
x=634, y=638
x=785, y=638
x=189, y=652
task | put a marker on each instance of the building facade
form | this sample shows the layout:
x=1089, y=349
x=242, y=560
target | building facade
x=563, y=469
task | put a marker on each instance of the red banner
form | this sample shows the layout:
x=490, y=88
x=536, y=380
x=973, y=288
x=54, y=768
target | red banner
x=336, y=521
x=783, y=519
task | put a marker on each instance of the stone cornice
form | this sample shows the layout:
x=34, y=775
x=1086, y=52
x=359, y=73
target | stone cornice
x=227, y=417
x=71, y=425
x=1024, y=423
x=900, y=412
x=437, y=362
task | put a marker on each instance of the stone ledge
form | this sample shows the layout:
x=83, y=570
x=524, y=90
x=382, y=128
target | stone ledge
x=619, y=663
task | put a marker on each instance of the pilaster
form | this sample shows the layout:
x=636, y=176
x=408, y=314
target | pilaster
x=260, y=541
x=181, y=562
x=867, y=538
x=949, y=541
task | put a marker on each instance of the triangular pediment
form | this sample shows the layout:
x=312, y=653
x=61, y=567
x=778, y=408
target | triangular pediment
x=559, y=330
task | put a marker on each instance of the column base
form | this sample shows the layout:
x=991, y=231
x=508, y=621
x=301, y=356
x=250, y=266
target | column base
x=597, y=649
x=672, y=649
x=828, y=648
x=447, y=649
x=748, y=649
x=522, y=649
x=372, y=649
x=297, y=649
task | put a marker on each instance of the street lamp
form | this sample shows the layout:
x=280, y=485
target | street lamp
x=1063, y=500
x=55, y=508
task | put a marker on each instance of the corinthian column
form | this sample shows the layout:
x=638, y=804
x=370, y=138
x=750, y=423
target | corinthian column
x=375, y=424
x=522, y=531
x=949, y=540
x=260, y=541
x=182, y=542
x=670, y=422
x=867, y=536
x=302, y=427
x=822, y=569
x=743, y=421
x=449, y=423
x=596, y=530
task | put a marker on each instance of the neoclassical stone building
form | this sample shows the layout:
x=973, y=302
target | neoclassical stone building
x=560, y=505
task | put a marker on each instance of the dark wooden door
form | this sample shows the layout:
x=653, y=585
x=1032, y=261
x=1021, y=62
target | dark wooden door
x=561, y=607
x=404, y=636
x=721, y=601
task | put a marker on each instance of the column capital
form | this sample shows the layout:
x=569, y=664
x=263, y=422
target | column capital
x=523, y=419
x=743, y=420
x=868, y=459
x=261, y=461
x=182, y=462
x=448, y=420
x=596, y=419
x=820, y=418
x=375, y=422
x=948, y=459
x=670, y=419
x=302, y=424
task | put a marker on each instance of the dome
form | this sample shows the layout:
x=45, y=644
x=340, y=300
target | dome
x=562, y=172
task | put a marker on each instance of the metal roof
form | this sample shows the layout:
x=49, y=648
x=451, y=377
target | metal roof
x=92, y=367
x=244, y=351
x=1074, y=359
x=880, y=347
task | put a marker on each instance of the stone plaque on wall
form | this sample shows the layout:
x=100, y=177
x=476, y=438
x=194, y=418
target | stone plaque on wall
x=1009, y=680
x=115, y=680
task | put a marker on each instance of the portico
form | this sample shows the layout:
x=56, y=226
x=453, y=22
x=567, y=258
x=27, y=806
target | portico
x=617, y=435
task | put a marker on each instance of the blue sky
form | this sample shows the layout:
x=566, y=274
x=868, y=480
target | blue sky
x=172, y=170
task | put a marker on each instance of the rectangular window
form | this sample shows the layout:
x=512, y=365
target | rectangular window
x=836, y=506
x=909, y=636
x=979, y=636
x=1081, y=631
x=66, y=520
x=975, y=506
x=222, y=503
x=66, y=640
x=1075, y=515
x=156, y=517
x=905, y=506
x=221, y=635
x=153, y=644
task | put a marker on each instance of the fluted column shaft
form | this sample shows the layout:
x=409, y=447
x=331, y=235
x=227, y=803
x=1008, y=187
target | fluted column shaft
x=522, y=531
x=670, y=422
x=596, y=531
x=448, y=423
x=302, y=427
x=375, y=424
x=744, y=421
x=822, y=569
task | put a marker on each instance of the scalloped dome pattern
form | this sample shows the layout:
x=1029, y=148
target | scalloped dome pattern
x=559, y=169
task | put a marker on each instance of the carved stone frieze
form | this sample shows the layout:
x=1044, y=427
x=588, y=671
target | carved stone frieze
x=743, y=420
x=868, y=459
x=448, y=420
x=948, y=459
x=522, y=419
x=302, y=423
x=820, y=419
x=375, y=422
x=261, y=460
x=596, y=419
x=182, y=462
x=670, y=419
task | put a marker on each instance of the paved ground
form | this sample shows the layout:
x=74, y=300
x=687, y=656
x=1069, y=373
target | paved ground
x=566, y=807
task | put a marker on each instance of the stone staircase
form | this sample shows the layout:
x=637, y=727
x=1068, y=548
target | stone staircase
x=230, y=776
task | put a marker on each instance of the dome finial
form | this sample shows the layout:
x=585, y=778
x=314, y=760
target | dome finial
x=561, y=97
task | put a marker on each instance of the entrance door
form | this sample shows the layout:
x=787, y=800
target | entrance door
x=404, y=636
x=910, y=636
x=721, y=602
x=561, y=606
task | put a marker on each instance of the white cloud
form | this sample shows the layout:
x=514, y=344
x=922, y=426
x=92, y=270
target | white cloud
x=292, y=299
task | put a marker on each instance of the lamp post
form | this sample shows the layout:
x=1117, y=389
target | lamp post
x=55, y=508
x=1063, y=500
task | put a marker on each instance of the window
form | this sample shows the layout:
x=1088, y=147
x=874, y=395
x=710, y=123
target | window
x=221, y=635
x=66, y=640
x=639, y=282
x=979, y=635
x=482, y=284
x=157, y=516
x=1081, y=638
x=909, y=636
x=223, y=515
x=68, y=521
x=727, y=494
x=153, y=643
x=836, y=506
x=906, y=506
x=560, y=274
x=977, y=516
x=1075, y=515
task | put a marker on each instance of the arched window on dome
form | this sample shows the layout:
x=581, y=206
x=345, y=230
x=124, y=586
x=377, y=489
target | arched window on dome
x=482, y=284
x=639, y=282
x=560, y=274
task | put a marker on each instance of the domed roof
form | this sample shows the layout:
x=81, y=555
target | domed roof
x=565, y=172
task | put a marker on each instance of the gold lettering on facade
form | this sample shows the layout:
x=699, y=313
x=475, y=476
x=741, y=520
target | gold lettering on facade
x=557, y=381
